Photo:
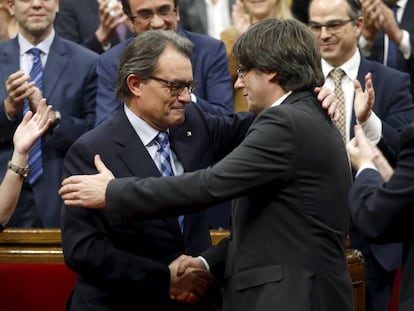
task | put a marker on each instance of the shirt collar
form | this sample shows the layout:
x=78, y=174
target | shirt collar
x=44, y=46
x=145, y=132
x=350, y=67
x=281, y=99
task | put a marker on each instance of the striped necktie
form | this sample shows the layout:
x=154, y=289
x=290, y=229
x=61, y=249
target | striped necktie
x=35, y=154
x=165, y=163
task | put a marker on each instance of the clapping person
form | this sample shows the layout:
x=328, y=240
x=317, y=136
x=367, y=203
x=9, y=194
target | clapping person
x=32, y=127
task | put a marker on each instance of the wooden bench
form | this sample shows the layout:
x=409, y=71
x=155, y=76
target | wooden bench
x=33, y=273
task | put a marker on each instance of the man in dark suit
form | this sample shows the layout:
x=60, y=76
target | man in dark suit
x=69, y=84
x=214, y=93
x=126, y=267
x=382, y=202
x=337, y=27
x=388, y=34
x=97, y=25
x=194, y=16
x=290, y=220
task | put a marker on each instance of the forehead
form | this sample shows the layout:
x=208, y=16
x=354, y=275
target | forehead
x=149, y=4
x=328, y=9
x=175, y=64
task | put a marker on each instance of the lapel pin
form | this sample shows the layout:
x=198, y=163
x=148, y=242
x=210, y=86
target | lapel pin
x=189, y=133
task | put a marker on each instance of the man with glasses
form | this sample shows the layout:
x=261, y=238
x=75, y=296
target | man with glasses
x=214, y=93
x=337, y=26
x=126, y=267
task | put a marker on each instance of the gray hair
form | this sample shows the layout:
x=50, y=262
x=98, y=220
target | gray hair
x=286, y=47
x=141, y=56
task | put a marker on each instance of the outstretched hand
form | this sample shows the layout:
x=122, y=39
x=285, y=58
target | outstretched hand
x=87, y=190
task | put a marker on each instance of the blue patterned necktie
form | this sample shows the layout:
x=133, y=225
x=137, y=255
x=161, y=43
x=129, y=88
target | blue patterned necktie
x=165, y=163
x=392, y=46
x=35, y=154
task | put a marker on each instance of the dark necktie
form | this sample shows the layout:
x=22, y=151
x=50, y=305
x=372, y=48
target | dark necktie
x=165, y=163
x=392, y=46
x=337, y=75
x=35, y=154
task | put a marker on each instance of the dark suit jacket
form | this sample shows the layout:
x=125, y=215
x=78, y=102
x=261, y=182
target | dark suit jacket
x=385, y=212
x=69, y=84
x=125, y=267
x=193, y=15
x=292, y=178
x=407, y=23
x=394, y=106
x=78, y=20
x=210, y=68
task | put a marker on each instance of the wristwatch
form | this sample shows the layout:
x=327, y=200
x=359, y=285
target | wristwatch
x=23, y=171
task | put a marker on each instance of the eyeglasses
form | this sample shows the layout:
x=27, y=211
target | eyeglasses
x=332, y=27
x=241, y=70
x=164, y=12
x=177, y=87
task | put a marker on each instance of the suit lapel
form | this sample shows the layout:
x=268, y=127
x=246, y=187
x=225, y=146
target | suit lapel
x=9, y=59
x=55, y=66
x=135, y=156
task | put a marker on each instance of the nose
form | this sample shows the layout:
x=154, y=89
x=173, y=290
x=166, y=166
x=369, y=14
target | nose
x=157, y=22
x=185, y=96
x=239, y=84
x=324, y=33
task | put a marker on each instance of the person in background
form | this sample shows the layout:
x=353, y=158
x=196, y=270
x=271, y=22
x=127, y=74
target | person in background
x=246, y=12
x=8, y=24
x=388, y=34
x=209, y=17
x=382, y=201
x=39, y=64
x=32, y=127
x=337, y=26
x=96, y=24
x=290, y=179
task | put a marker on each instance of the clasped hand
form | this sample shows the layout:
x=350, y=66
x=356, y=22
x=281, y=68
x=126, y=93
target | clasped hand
x=189, y=279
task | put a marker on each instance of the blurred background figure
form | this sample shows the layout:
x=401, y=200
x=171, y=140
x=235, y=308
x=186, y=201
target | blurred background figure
x=96, y=24
x=388, y=34
x=300, y=10
x=8, y=24
x=209, y=17
x=245, y=13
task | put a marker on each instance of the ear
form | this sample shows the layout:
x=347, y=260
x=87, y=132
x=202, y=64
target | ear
x=359, y=24
x=134, y=85
x=271, y=76
x=178, y=14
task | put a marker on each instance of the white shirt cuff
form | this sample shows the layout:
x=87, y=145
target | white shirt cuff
x=205, y=263
x=373, y=128
x=405, y=45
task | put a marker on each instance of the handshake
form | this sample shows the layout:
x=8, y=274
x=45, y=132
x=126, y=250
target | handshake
x=189, y=279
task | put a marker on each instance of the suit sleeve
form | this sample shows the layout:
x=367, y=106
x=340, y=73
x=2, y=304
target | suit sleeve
x=396, y=110
x=256, y=161
x=89, y=251
x=381, y=211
